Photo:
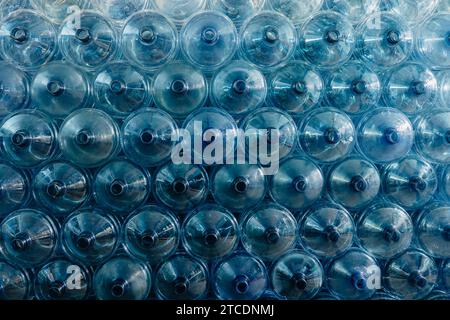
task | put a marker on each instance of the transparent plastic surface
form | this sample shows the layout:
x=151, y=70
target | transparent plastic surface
x=444, y=83
x=411, y=182
x=433, y=229
x=268, y=40
x=411, y=88
x=14, y=282
x=209, y=40
x=121, y=89
x=411, y=275
x=326, y=135
x=433, y=136
x=122, y=278
x=179, y=10
x=385, y=135
x=179, y=89
x=90, y=235
x=28, y=138
x=385, y=230
x=268, y=231
x=238, y=187
x=151, y=233
x=354, y=10
x=296, y=88
x=59, y=89
x=383, y=40
x=238, y=88
x=237, y=10
x=8, y=6
x=61, y=187
x=181, y=277
x=27, y=39
x=54, y=281
x=149, y=40
x=180, y=187
x=210, y=232
x=326, y=230
x=28, y=237
x=296, y=10
x=412, y=11
x=353, y=88
x=445, y=183
x=58, y=10
x=298, y=183
x=89, y=138
x=354, y=182
x=446, y=273
x=121, y=186
x=119, y=10
x=327, y=39
x=147, y=136
x=297, y=275
x=14, y=89
x=240, y=277
x=354, y=275
x=14, y=188
x=90, y=43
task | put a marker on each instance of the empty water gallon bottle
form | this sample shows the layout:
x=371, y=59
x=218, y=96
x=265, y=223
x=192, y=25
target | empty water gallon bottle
x=433, y=229
x=237, y=10
x=268, y=40
x=8, y=6
x=62, y=279
x=14, y=89
x=121, y=186
x=411, y=182
x=385, y=135
x=297, y=184
x=327, y=39
x=445, y=183
x=59, y=89
x=121, y=89
x=355, y=275
x=179, y=89
x=297, y=275
x=412, y=11
x=58, y=10
x=296, y=88
x=326, y=230
x=151, y=233
x=210, y=232
x=209, y=40
x=27, y=39
x=178, y=10
x=180, y=187
x=411, y=88
x=181, y=277
x=122, y=278
x=238, y=88
x=240, y=277
x=14, y=188
x=90, y=235
x=433, y=40
x=149, y=40
x=61, y=187
x=354, y=182
x=15, y=283
x=383, y=40
x=296, y=10
x=385, y=230
x=326, y=134
x=119, y=10
x=268, y=231
x=354, y=88
x=433, y=136
x=273, y=130
x=238, y=187
x=148, y=136
x=354, y=10
x=90, y=42
x=28, y=237
x=412, y=275
x=89, y=138
x=28, y=138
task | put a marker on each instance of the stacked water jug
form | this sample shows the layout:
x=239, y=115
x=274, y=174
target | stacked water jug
x=93, y=92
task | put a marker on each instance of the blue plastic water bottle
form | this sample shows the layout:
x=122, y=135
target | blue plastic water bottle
x=14, y=188
x=15, y=282
x=14, y=89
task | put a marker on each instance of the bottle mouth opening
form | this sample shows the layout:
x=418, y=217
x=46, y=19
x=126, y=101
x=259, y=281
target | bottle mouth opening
x=118, y=288
x=210, y=35
x=299, y=184
x=83, y=138
x=417, y=184
x=117, y=187
x=331, y=136
x=271, y=35
x=117, y=87
x=332, y=36
x=20, y=139
x=391, y=136
x=19, y=34
x=179, y=87
x=21, y=242
x=300, y=281
x=272, y=235
x=391, y=234
x=239, y=86
x=418, y=88
x=147, y=35
x=55, y=189
x=446, y=233
x=83, y=35
x=181, y=286
x=180, y=186
x=55, y=88
x=241, y=285
x=56, y=289
x=393, y=37
x=417, y=280
x=240, y=184
x=359, y=86
x=147, y=137
x=447, y=136
x=358, y=183
x=85, y=240
x=332, y=234
x=300, y=87
x=148, y=239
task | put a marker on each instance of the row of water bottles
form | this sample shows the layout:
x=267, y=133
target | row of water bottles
x=267, y=256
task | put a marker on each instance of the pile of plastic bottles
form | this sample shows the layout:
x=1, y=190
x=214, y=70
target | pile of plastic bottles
x=92, y=92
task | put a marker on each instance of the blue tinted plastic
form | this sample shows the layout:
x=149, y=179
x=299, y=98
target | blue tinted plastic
x=181, y=277
x=446, y=273
x=8, y=6
x=14, y=188
x=119, y=10
x=178, y=10
x=237, y=10
x=240, y=277
x=445, y=183
x=354, y=10
x=14, y=89
x=412, y=11
x=296, y=10
x=58, y=10
x=15, y=283
x=444, y=83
